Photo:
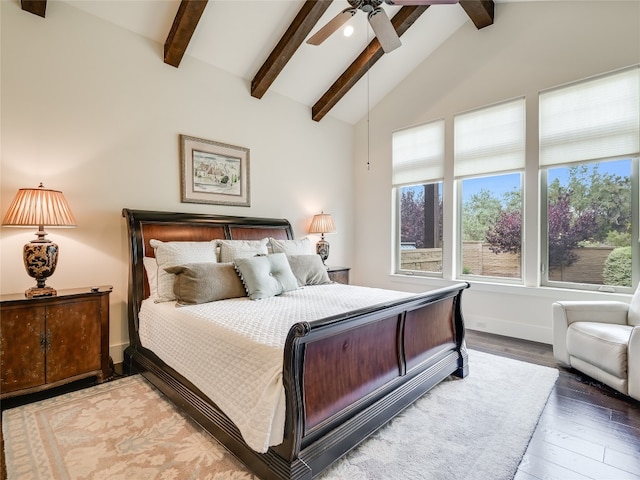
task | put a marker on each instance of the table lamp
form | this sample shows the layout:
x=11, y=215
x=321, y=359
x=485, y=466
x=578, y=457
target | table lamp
x=39, y=207
x=322, y=223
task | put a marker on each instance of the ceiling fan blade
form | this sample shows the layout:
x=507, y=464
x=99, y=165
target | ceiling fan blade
x=382, y=27
x=334, y=24
x=419, y=2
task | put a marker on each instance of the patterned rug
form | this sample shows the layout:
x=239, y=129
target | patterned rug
x=475, y=428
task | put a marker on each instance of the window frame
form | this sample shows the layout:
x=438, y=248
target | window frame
x=606, y=145
x=429, y=172
x=397, y=259
x=514, y=162
x=635, y=230
x=459, y=234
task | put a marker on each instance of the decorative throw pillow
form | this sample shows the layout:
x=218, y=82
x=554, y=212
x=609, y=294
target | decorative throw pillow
x=151, y=269
x=197, y=283
x=309, y=270
x=266, y=276
x=169, y=254
x=232, y=249
x=301, y=246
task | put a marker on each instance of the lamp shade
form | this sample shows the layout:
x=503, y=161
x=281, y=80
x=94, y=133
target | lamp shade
x=322, y=223
x=39, y=207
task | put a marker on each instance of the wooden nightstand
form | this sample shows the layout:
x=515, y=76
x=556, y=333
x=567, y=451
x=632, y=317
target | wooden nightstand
x=339, y=274
x=49, y=341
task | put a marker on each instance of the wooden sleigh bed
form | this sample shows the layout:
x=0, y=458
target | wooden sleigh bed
x=344, y=376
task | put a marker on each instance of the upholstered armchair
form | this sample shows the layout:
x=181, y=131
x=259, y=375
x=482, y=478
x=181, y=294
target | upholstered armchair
x=601, y=339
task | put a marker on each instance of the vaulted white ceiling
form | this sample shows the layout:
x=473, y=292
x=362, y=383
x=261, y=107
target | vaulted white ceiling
x=237, y=36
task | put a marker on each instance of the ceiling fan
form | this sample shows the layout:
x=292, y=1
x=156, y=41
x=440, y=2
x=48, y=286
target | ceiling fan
x=378, y=19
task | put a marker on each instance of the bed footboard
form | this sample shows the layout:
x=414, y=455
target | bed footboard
x=344, y=377
x=347, y=376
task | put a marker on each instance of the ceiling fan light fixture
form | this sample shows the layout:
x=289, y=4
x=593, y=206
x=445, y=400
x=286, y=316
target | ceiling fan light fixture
x=334, y=24
x=378, y=19
x=383, y=28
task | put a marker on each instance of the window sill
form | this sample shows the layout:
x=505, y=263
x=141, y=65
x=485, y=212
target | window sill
x=511, y=289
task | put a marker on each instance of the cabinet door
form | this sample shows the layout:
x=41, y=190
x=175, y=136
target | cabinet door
x=22, y=352
x=339, y=276
x=73, y=329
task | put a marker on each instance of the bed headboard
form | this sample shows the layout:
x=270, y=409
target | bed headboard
x=144, y=225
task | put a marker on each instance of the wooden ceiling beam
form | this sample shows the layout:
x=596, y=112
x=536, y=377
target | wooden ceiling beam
x=37, y=7
x=184, y=25
x=401, y=21
x=300, y=27
x=480, y=12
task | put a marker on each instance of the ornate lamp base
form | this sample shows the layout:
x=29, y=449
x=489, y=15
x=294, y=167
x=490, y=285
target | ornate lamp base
x=322, y=249
x=40, y=260
x=45, y=291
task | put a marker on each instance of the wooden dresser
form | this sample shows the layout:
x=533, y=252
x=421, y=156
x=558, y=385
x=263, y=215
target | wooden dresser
x=49, y=341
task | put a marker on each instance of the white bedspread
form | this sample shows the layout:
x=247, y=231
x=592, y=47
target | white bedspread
x=232, y=350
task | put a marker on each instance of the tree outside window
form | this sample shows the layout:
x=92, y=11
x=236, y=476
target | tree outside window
x=491, y=226
x=589, y=223
x=421, y=227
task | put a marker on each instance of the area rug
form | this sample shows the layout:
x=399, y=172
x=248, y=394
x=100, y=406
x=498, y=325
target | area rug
x=472, y=428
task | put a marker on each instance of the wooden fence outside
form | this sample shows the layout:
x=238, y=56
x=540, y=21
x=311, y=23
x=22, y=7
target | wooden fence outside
x=477, y=259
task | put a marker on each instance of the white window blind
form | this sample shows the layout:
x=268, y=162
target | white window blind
x=590, y=120
x=490, y=140
x=418, y=153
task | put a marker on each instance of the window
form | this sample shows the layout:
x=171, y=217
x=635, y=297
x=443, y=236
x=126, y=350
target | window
x=491, y=222
x=418, y=158
x=589, y=144
x=589, y=238
x=589, y=180
x=421, y=227
x=488, y=162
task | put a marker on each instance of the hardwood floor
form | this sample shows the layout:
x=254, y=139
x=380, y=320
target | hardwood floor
x=586, y=431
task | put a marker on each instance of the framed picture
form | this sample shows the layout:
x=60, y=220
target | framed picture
x=214, y=172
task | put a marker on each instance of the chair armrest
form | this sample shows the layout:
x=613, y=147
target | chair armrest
x=566, y=312
x=559, y=326
x=633, y=364
x=595, y=311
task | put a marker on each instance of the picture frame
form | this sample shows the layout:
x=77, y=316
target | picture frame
x=213, y=172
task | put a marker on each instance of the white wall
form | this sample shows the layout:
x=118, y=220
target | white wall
x=91, y=109
x=530, y=47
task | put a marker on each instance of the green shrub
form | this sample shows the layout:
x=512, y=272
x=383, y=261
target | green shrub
x=617, y=267
x=619, y=239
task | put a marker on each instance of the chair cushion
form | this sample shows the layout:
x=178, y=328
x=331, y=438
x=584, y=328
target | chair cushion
x=603, y=345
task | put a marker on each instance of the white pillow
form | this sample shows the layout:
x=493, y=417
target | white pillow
x=170, y=254
x=301, y=246
x=151, y=268
x=232, y=249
